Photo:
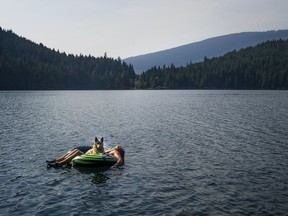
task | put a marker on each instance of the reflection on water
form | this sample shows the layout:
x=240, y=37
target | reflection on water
x=187, y=152
x=98, y=177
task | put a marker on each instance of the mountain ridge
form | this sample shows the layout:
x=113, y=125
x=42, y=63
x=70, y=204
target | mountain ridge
x=197, y=51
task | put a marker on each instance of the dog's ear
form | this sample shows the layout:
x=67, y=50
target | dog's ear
x=102, y=140
x=95, y=140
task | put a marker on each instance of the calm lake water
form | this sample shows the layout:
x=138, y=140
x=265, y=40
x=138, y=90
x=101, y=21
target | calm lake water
x=187, y=152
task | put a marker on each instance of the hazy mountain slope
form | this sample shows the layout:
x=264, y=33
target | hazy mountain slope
x=196, y=52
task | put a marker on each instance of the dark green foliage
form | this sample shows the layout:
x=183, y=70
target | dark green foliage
x=26, y=65
x=264, y=66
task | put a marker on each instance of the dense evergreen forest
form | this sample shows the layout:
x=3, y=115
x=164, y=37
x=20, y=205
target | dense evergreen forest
x=25, y=65
x=264, y=66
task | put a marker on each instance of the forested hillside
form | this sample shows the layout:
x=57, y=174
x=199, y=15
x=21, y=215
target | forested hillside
x=264, y=66
x=27, y=65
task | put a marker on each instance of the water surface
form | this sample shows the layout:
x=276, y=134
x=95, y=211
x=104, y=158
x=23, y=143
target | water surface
x=187, y=152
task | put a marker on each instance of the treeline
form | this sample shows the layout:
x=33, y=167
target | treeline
x=27, y=65
x=264, y=66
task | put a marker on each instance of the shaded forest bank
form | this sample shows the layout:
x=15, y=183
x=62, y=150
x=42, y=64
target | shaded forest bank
x=25, y=65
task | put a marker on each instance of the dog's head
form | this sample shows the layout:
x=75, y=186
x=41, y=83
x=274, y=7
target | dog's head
x=98, y=145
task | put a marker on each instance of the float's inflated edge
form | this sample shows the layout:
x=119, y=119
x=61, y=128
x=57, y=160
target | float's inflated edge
x=94, y=160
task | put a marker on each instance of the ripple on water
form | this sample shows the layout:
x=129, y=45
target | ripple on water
x=187, y=152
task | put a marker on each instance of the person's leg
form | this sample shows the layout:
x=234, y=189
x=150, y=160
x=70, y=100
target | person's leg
x=60, y=158
x=69, y=157
x=65, y=155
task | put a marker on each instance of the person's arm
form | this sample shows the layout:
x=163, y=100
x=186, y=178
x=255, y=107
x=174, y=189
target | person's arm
x=119, y=159
x=109, y=150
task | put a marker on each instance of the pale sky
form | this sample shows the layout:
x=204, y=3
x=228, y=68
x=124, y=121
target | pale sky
x=125, y=28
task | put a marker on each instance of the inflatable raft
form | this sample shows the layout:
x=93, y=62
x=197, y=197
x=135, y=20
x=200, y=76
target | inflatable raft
x=94, y=160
